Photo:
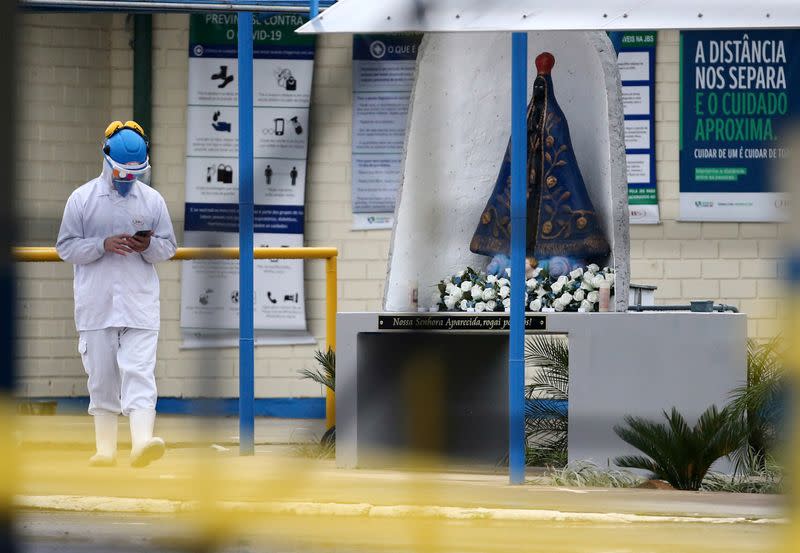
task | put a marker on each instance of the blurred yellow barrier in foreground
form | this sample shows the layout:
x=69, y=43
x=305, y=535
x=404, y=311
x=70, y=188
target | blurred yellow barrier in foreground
x=48, y=254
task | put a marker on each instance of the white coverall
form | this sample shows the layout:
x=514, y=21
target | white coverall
x=117, y=312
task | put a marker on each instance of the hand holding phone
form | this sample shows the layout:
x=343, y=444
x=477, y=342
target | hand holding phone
x=140, y=241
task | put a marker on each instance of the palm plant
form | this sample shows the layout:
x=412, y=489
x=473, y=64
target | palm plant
x=757, y=404
x=324, y=374
x=676, y=452
x=546, y=420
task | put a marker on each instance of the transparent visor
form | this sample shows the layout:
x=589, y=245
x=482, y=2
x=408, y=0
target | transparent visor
x=129, y=171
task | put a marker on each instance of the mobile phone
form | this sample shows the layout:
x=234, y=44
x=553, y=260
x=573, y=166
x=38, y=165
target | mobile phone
x=143, y=233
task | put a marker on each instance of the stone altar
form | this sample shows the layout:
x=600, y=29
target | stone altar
x=620, y=364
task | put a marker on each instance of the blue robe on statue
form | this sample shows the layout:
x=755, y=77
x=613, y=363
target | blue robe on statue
x=561, y=218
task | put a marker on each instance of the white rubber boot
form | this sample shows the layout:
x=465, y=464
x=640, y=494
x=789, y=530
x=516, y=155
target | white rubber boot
x=145, y=448
x=105, y=437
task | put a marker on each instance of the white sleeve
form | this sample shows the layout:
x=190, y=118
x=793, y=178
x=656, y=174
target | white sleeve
x=162, y=243
x=71, y=245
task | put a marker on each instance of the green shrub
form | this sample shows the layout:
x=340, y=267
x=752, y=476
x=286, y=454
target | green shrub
x=756, y=474
x=676, y=452
x=756, y=405
x=545, y=423
x=325, y=374
x=585, y=474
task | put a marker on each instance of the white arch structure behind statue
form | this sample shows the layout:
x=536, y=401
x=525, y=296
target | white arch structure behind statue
x=458, y=129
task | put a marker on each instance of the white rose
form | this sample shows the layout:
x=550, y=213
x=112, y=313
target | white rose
x=536, y=305
x=586, y=285
x=466, y=285
x=579, y=295
x=558, y=306
x=491, y=305
x=457, y=294
x=461, y=273
x=537, y=271
x=548, y=310
x=507, y=302
x=593, y=268
x=563, y=279
x=449, y=288
x=597, y=280
x=587, y=306
x=464, y=305
x=576, y=273
x=592, y=297
x=505, y=291
x=556, y=287
x=480, y=307
x=489, y=294
x=503, y=282
x=565, y=298
x=508, y=271
x=476, y=292
x=540, y=291
x=449, y=302
x=491, y=279
x=531, y=283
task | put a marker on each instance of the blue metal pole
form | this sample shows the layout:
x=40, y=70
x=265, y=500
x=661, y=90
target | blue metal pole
x=519, y=164
x=313, y=8
x=246, y=353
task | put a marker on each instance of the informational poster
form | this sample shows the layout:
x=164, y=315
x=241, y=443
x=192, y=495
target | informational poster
x=737, y=104
x=636, y=59
x=282, y=70
x=383, y=76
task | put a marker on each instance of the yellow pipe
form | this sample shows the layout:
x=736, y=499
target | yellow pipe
x=43, y=254
x=35, y=254
x=330, y=332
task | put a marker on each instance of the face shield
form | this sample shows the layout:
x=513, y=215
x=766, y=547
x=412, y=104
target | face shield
x=123, y=175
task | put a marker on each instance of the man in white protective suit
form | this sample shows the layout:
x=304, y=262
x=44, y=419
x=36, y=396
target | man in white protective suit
x=115, y=228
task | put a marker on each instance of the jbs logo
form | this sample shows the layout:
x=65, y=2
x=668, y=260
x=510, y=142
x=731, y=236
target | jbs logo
x=138, y=222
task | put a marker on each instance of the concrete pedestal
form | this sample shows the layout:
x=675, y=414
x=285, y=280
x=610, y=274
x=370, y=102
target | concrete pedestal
x=444, y=392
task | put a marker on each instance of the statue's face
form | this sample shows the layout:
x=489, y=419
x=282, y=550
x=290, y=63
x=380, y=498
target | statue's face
x=539, y=87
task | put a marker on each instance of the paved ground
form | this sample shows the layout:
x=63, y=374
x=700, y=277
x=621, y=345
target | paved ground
x=76, y=431
x=278, y=501
x=134, y=533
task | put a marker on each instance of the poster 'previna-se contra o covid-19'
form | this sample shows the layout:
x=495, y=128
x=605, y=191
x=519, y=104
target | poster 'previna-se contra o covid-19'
x=283, y=64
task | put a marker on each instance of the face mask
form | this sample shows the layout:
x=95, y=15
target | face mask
x=123, y=186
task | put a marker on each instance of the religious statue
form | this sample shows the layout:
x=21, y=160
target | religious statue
x=563, y=230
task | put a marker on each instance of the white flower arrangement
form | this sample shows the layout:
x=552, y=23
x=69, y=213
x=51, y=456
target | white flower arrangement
x=474, y=291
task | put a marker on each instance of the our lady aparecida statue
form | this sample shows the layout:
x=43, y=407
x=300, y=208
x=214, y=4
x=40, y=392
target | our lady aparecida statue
x=563, y=229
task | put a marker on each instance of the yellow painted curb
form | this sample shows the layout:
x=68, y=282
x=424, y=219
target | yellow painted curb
x=165, y=506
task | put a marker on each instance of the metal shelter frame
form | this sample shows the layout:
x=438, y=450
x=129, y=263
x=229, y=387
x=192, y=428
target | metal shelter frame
x=246, y=9
x=518, y=17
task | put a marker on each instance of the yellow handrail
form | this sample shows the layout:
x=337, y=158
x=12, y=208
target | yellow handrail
x=45, y=254
x=42, y=254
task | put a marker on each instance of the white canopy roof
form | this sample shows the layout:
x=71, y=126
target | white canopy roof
x=391, y=16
